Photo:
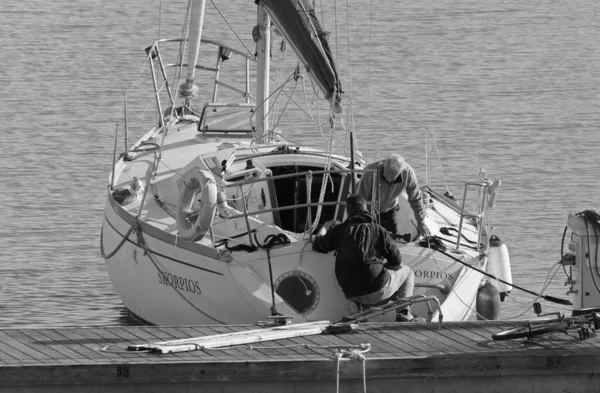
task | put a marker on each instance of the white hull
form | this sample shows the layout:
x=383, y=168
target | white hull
x=185, y=283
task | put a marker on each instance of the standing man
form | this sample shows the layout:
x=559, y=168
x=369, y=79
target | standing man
x=393, y=176
x=361, y=246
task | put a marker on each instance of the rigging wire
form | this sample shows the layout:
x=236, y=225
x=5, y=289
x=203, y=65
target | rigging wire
x=437, y=152
x=308, y=112
x=284, y=107
x=277, y=90
x=433, y=242
x=545, y=286
x=549, y=278
x=231, y=27
x=369, y=56
x=326, y=176
x=159, y=17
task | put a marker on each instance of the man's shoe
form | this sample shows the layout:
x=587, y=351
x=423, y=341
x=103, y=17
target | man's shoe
x=408, y=318
x=355, y=308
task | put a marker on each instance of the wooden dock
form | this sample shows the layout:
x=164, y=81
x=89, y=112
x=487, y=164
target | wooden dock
x=384, y=357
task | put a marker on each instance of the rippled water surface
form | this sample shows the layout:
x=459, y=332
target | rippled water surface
x=512, y=86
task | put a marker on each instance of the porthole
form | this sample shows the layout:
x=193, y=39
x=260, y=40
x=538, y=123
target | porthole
x=299, y=290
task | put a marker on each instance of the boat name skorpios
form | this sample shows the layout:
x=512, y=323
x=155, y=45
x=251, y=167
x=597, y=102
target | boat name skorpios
x=432, y=274
x=178, y=282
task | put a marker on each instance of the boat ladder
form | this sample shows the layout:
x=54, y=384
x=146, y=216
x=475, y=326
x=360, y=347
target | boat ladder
x=487, y=189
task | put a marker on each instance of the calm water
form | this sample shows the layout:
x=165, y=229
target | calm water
x=512, y=86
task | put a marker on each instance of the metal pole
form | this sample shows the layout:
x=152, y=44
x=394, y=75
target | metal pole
x=352, y=162
x=308, y=180
x=125, y=110
x=246, y=214
x=164, y=74
x=462, y=216
x=161, y=120
x=112, y=177
x=218, y=68
x=247, y=81
x=263, y=46
x=427, y=157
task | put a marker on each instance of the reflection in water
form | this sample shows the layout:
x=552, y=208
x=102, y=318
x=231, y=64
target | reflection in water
x=127, y=318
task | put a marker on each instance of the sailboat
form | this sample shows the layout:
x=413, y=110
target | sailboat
x=210, y=215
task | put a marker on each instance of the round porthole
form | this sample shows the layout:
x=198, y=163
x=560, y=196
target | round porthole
x=299, y=290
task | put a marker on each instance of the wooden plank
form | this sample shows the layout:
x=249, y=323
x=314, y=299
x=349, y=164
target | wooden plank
x=264, y=350
x=399, y=341
x=382, y=344
x=229, y=353
x=142, y=337
x=293, y=348
x=353, y=340
x=96, y=339
x=90, y=347
x=404, y=340
x=474, y=335
x=197, y=330
x=173, y=333
x=22, y=350
x=313, y=347
x=466, y=346
x=237, y=352
x=437, y=340
x=72, y=347
x=9, y=354
x=41, y=343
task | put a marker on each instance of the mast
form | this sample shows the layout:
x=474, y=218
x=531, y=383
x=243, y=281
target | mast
x=263, y=47
x=188, y=90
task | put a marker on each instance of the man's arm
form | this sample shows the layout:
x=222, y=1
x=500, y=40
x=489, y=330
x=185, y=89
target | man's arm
x=415, y=197
x=389, y=250
x=324, y=241
x=365, y=185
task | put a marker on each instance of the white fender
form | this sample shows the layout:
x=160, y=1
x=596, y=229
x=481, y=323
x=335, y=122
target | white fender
x=193, y=182
x=499, y=265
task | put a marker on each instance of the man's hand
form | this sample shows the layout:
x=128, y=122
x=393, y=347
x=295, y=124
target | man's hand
x=422, y=231
x=327, y=226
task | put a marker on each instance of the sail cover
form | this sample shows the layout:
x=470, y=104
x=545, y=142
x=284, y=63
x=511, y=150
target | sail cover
x=298, y=22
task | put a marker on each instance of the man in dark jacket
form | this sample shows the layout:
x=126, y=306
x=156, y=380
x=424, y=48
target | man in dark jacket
x=361, y=245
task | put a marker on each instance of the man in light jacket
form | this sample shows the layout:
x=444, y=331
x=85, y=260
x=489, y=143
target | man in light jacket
x=393, y=176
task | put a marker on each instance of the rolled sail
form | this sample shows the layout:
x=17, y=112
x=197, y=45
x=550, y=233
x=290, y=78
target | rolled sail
x=298, y=22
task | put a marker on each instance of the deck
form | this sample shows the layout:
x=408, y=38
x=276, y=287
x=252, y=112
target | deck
x=460, y=357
